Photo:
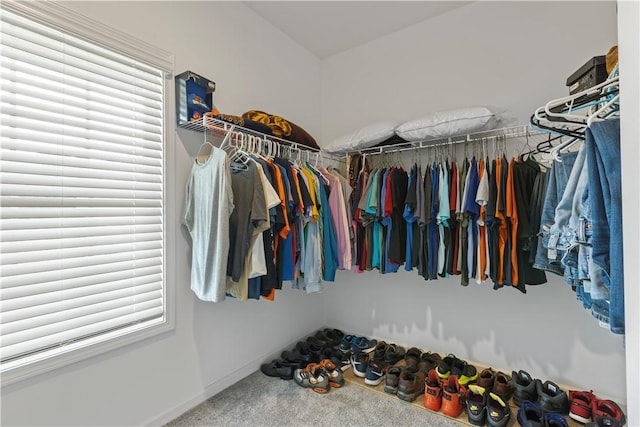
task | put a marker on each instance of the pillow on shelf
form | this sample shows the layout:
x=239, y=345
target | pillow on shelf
x=282, y=128
x=365, y=137
x=444, y=124
x=245, y=123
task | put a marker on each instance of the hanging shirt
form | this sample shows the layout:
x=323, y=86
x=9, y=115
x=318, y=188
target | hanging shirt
x=443, y=217
x=482, y=199
x=208, y=205
x=407, y=214
x=249, y=218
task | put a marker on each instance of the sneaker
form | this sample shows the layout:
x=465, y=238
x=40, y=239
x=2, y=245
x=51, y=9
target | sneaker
x=375, y=373
x=444, y=366
x=524, y=387
x=411, y=385
x=433, y=391
x=554, y=420
x=345, y=360
x=336, y=379
x=530, y=414
x=498, y=411
x=363, y=344
x=581, y=405
x=486, y=379
x=279, y=368
x=345, y=342
x=331, y=336
x=393, y=354
x=359, y=361
x=453, y=397
x=313, y=376
x=465, y=372
x=301, y=355
x=604, y=422
x=503, y=386
x=552, y=398
x=428, y=361
x=608, y=413
x=392, y=380
x=476, y=404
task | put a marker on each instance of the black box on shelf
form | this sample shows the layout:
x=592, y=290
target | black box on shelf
x=593, y=72
x=194, y=97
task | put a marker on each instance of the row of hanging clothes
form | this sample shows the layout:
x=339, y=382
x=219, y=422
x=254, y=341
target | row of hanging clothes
x=258, y=214
x=581, y=225
x=445, y=212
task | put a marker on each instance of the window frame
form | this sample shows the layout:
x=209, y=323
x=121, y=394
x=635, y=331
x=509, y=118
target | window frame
x=63, y=19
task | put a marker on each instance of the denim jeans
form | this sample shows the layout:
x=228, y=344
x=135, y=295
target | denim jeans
x=603, y=159
x=557, y=182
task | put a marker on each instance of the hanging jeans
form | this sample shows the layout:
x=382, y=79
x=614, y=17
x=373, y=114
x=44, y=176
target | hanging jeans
x=603, y=159
x=556, y=185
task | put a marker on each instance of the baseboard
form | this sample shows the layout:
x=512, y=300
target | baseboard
x=218, y=386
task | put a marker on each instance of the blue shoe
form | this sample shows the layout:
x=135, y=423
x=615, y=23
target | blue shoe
x=360, y=361
x=530, y=415
x=345, y=342
x=375, y=373
x=553, y=419
x=362, y=344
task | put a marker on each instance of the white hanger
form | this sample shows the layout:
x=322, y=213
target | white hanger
x=603, y=108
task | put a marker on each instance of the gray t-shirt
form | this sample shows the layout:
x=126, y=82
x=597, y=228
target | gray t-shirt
x=250, y=213
x=208, y=204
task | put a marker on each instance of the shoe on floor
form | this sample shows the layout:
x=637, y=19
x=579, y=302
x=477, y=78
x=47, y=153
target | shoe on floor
x=363, y=344
x=360, y=361
x=498, y=411
x=314, y=376
x=530, y=414
x=334, y=373
x=476, y=404
x=279, y=369
x=411, y=385
x=444, y=366
x=428, y=361
x=524, y=387
x=453, y=397
x=554, y=420
x=581, y=405
x=412, y=357
x=608, y=413
x=465, y=372
x=552, y=398
x=393, y=354
x=433, y=391
x=345, y=342
x=486, y=378
x=375, y=373
x=392, y=379
x=503, y=386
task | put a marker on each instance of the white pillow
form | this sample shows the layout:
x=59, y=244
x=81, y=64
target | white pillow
x=365, y=137
x=444, y=124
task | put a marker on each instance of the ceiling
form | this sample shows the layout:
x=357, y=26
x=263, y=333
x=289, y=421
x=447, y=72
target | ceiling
x=326, y=28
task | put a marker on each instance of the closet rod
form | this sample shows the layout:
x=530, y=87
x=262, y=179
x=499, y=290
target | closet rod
x=220, y=128
x=508, y=132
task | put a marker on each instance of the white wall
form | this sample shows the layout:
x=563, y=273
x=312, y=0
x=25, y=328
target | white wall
x=213, y=345
x=514, y=55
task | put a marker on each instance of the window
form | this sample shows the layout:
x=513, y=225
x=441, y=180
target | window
x=82, y=173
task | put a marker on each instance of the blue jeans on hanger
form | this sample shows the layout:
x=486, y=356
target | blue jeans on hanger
x=558, y=179
x=603, y=159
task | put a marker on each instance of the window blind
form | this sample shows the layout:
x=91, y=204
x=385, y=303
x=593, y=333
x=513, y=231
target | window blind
x=82, y=191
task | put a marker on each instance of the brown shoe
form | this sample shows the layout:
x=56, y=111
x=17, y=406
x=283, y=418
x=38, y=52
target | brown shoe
x=486, y=379
x=412, y=357
x=411, y=385
x=502, y=386
x=428, y=361
x=392, y=380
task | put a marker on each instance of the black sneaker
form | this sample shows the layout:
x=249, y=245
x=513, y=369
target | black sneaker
x=498, y=411
x=552, y=398
x=476, y=404
x=279, y=369
x=524, y=387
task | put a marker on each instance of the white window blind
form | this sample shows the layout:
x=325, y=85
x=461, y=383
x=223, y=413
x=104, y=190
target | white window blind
x=81, y=175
